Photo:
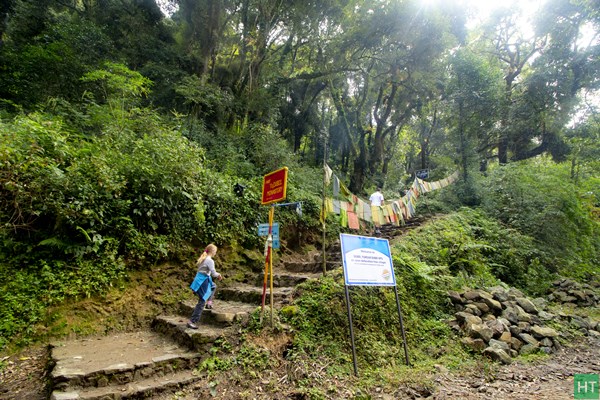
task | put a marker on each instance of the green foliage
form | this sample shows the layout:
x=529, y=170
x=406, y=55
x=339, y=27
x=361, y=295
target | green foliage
x=448, y=242
x=119, y=82
x=26, y=292
x=51, y=63
x=477, y=250
x=318, y=330
x=438, y=202
x=75, y=192
x=228, y=217
x=205, y=101
x=539, y=200
x=474, y=92
x=305, y=185
x=584, y=142
x=245, y=151
x=252, y=359
x=247, y=358
x=161, y=173
x=114, y=93
x=213, y=364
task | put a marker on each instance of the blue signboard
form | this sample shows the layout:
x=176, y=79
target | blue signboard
x=367, y=261
x=263, y=229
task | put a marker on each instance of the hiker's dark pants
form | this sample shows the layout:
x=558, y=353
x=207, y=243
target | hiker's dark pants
x=198, y=310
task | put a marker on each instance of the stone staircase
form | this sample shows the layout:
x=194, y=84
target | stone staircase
x=163, y=359
x=146, y=363
x=120, y=366
x=389, y=231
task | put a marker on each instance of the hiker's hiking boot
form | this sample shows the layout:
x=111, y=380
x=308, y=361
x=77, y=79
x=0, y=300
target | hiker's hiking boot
x=192, y=325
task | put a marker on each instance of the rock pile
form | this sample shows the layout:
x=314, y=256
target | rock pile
x=566, y=291
x=502, y=323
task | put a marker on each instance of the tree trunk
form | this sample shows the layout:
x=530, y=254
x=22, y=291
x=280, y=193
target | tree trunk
x=463, y=142
x=503, y=147
x=357, y=181
x=210, y=34
x=381, y=131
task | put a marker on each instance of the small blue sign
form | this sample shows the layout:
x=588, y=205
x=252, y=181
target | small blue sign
x=263, y=229
x=276, y=243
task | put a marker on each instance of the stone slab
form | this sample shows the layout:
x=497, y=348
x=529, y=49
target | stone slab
x=111, y=354
x=141, y=389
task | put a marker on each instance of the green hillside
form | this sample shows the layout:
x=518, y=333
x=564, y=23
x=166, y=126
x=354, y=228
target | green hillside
x=134, y=133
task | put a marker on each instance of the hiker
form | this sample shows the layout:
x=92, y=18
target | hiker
x=203, y=285
x=376, y=203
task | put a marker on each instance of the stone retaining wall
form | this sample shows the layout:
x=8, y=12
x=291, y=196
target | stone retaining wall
x=567, y=291
x=503, y=323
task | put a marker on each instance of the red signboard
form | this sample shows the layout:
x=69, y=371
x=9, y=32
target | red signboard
x=274, y=186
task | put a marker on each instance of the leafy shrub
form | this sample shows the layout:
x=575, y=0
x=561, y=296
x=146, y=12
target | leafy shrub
x=205, y=101
x=76, y=193
x=476, y=248
x=538, y=199
x=321, y=323
x=51, y=64
x=25, y=293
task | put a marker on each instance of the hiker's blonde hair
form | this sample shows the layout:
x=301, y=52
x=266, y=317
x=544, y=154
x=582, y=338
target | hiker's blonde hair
x=210, y=250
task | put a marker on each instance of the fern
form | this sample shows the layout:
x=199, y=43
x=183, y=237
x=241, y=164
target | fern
x=85, y=234
x=56, y=243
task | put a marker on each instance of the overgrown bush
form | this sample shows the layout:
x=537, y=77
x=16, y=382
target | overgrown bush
x=127, y=191
x=539, y=199
x=478, y=250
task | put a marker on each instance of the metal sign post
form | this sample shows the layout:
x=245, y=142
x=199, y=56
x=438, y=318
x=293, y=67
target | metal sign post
x=367, y=261
x=401, y=325
x=351, y=329
x=268, y=264
x=273, y=190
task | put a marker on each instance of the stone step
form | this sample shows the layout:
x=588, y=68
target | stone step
x=201, y=339
x=223, y=312
x=253, y=294
x=116, y=359
x=333, y=254
x=311, y=266
x=139, y=389
x=288, y=278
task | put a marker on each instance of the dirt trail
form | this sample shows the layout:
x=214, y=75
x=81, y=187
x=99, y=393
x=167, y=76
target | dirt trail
x=551, y=378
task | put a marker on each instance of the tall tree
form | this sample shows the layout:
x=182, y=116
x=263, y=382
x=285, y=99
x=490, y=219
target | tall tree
x=568, y=68
x=544, y=73
x=395, y=52
x=473, y=93
x=513, y=50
